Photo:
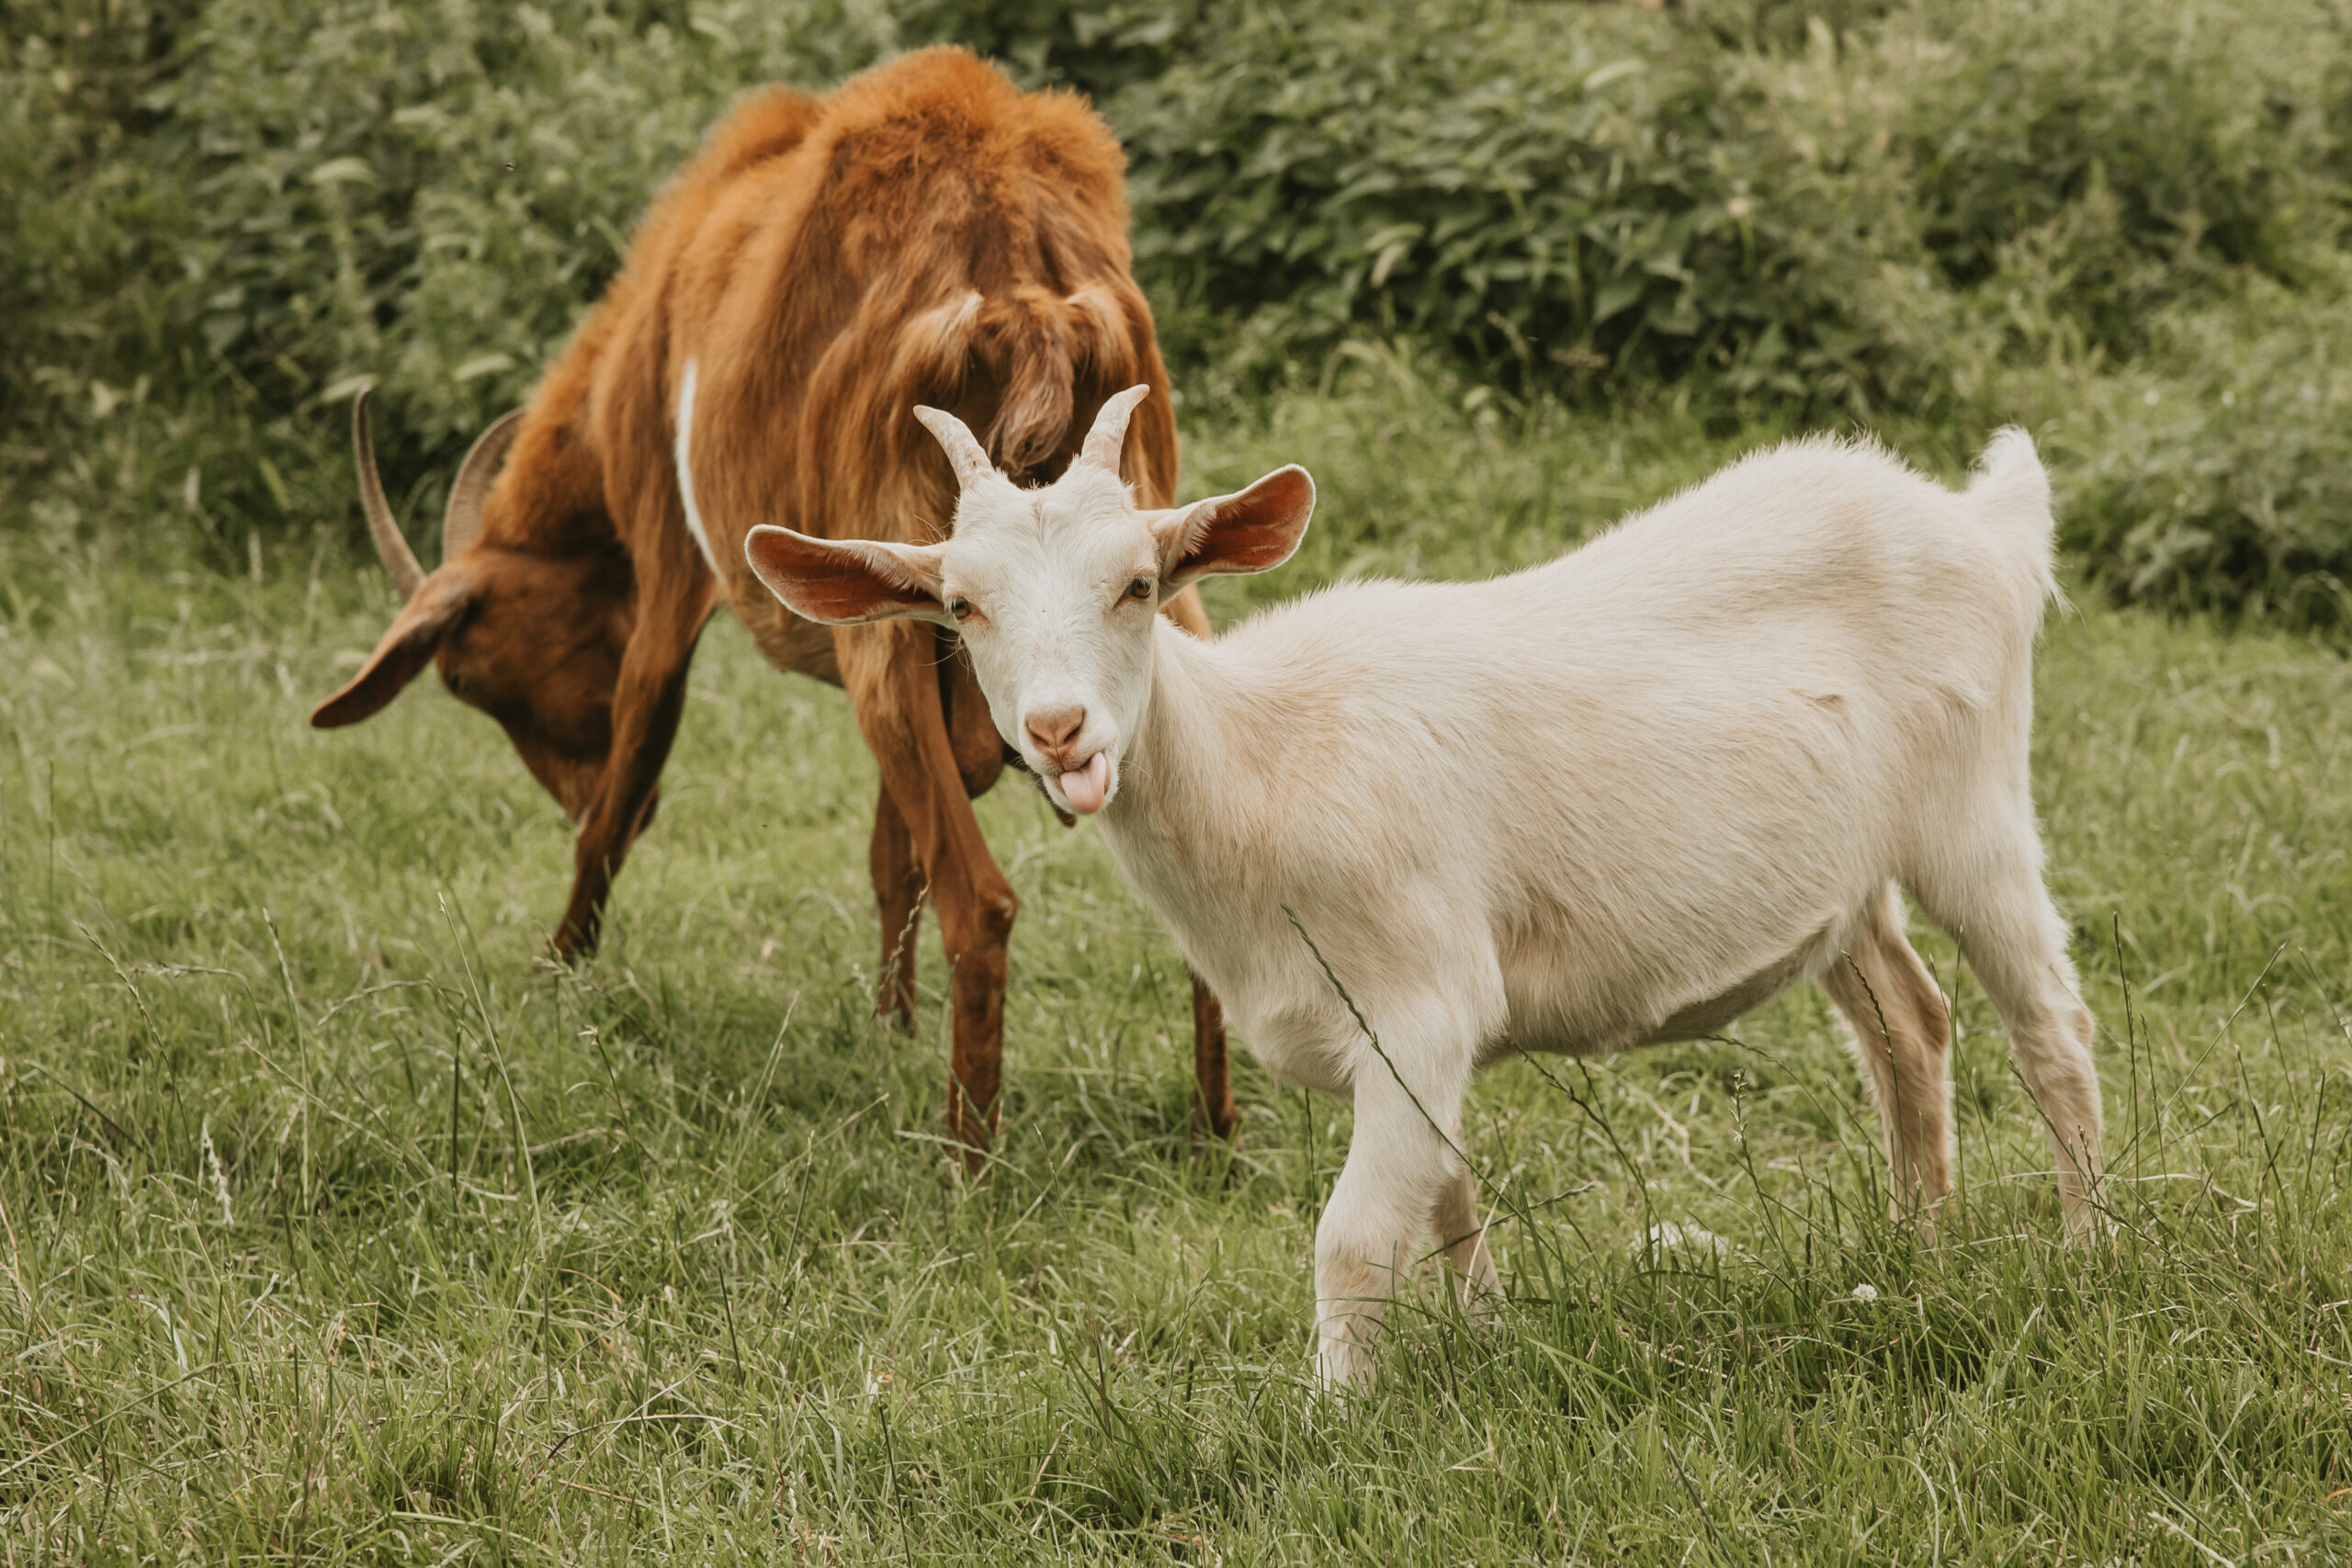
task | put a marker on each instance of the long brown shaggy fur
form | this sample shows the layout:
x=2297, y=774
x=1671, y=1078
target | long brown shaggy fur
x=927, y=233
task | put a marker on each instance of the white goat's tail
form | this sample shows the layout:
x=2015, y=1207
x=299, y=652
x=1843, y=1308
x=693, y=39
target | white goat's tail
x=2012, y=493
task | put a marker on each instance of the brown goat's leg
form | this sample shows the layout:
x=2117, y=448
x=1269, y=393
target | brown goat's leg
x=897, y=892
x=890, y=670
x=898, y=881
x=647, y=704
x=971, y=733
x=1212, y=1109
x=978, y=944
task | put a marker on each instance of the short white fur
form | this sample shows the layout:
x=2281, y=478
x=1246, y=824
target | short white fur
x=1617, y=799
x=685, y=471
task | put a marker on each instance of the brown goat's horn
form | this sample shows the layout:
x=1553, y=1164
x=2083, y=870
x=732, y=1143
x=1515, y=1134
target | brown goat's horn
x=382, y=527
x=1109, y=436
x=462, y=520
x=964, y=453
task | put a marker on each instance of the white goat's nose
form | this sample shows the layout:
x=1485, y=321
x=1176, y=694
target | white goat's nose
x=1055, y=728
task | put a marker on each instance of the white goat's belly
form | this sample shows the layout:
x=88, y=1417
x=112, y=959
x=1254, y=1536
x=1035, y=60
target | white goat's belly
x=1587, y=1026
x=1556, y=998
x=1559, y=1006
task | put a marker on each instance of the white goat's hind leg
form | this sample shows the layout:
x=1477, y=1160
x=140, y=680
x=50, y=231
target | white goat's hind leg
x=1993, y=903
x=1377, y=1225
x=1902, y=1036
x=1468, y=1260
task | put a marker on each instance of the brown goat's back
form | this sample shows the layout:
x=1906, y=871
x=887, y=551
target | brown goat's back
x=928, y=234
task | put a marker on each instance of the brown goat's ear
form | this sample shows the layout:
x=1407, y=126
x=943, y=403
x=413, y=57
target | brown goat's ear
x=416, y=635
x=844, y=582
x=1252, y=530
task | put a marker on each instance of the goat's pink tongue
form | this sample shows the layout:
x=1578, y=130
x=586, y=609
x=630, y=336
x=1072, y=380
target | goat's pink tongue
x=1085, y=786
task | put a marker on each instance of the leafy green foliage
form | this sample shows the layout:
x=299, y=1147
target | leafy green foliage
x=2149, y=154
x=1593, y=191
x=1096, y=47
x=226, y=214
x=2221, y=470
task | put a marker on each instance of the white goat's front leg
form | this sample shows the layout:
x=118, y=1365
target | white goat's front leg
x=1377, y=1225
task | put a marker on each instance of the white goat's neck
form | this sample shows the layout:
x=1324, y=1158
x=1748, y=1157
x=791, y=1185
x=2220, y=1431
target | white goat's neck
x=1193, y=797
x=1220, y=794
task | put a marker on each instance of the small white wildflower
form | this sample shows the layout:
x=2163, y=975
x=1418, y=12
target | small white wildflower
x=1670, y=1236
x=2151, y=396
x=1866, y=1292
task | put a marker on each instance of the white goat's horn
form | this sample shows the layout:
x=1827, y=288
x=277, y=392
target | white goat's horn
x=1109, y=436
x=964, y=452
x=461, y=519
x=382, y=527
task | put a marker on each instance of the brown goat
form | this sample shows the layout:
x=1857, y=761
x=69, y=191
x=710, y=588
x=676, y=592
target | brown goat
x=927, y=233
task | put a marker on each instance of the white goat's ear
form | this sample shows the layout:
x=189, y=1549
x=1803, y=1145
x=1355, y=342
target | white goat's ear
x=843, y=583
x=1252, y=530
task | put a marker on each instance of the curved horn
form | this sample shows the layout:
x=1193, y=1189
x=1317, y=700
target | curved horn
x=964, y=453
x=382, y=527
x=1109, y=436
x=462, y=520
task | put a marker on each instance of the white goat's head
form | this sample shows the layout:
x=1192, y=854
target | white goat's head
x=1053, y=590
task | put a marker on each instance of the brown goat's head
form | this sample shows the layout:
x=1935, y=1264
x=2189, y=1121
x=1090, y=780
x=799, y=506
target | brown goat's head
x=533, y=641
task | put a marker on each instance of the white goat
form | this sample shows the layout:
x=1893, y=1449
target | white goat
x=1618, y=799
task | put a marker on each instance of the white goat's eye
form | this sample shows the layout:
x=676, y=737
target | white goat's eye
x=960, y=607
x=1139, y=589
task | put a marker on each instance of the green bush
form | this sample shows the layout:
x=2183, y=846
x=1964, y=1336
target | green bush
x=1837, y=221
x=1097, y=47
x=2152, y=150
x=2218, y=475
x=1586, y=193
x=225, y=214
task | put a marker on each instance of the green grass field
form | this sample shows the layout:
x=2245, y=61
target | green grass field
x=340, y=1228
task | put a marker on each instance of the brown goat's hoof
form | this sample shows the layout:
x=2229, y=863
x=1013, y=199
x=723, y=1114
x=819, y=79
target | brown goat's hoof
x=1209, y=1142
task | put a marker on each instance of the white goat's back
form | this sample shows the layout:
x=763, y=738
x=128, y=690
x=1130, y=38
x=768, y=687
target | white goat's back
x=1715, y=730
